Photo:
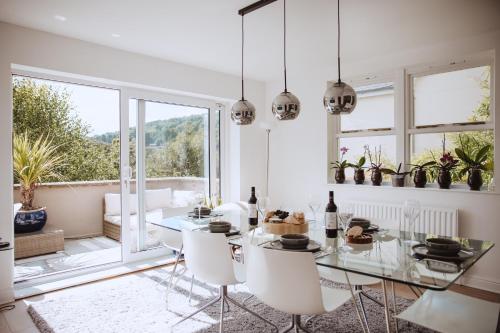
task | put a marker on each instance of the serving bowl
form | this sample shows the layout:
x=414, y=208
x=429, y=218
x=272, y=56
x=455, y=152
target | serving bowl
x=442, y=246
x=294, y=241
x=359, y=221
x=219, y=227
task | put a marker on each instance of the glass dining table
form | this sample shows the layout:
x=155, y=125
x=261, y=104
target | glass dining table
x=390, y=257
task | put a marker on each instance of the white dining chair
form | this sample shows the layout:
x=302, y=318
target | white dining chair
x=357, y=281
x=172, y=239
x=208, y=257
x=289, y=282
x=450, y=312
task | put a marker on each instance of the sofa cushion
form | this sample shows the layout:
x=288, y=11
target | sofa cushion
x=112, y=203
x=157, y=199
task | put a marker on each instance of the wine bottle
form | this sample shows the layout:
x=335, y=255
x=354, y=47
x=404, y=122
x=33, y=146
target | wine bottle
x=331, y=222
x=252, y=209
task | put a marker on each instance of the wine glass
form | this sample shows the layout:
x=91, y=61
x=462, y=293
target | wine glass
x=411, y=212
x=262, y=203
x=199, y=198
x=344, y=219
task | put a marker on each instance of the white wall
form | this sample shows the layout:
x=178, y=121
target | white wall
x=33, y=48
x=299, y=148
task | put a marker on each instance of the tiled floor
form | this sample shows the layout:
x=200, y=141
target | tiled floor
x=78, y=253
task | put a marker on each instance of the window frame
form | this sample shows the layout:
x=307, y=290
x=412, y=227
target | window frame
x=334, y=123
x=404, y=126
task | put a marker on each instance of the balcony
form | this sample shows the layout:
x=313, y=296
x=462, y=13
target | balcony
x=78, y=209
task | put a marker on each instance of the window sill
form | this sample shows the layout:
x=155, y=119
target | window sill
x=429, y=187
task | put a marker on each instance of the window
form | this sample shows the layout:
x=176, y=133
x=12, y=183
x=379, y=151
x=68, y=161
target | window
x=411, y=114
x=450, y=109
x=372, y=124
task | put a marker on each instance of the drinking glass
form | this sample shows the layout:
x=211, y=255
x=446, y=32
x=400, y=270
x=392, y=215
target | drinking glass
x=411, y=212
x=199, y=198
x=262, y=204
x=344, y=220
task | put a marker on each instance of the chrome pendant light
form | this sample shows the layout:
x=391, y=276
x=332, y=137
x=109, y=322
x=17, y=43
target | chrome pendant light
x=339, y=98
x=242, y=112
x=286, y=105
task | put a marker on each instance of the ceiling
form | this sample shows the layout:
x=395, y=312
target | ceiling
x=207, y=33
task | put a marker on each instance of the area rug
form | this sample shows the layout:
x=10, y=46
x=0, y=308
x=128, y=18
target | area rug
x=136, y=303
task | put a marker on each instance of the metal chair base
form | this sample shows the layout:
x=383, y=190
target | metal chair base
x=296, y=325
x=225, y=299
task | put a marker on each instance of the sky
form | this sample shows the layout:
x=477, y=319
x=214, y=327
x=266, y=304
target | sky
x=100, y=107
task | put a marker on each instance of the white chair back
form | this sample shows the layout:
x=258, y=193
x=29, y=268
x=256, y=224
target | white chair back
x=208, y=257
x=287, y=281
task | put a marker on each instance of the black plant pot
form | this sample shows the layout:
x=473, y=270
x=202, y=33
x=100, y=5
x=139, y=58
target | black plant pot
x=376, y=177
x=340, y=176
x=444, y=179
x=359, y=176
x=475, y=179
x=30, y=220
x=420, y=178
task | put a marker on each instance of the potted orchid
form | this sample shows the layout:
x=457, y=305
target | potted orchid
x=473, y=163
x=444, y=166
x=375, y=164
x=340, y=166
x=397, y=176
x=359, y=173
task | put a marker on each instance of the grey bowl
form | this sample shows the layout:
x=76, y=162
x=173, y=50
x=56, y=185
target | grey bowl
x=360, y=222
x=294, y=241
x=219, y=227
x=204, y=211
x=442, y=246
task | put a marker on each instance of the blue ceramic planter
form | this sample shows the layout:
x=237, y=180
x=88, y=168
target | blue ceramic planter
x=30, y=220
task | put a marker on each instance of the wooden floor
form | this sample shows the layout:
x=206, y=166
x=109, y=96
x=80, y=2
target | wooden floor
x=18, y=320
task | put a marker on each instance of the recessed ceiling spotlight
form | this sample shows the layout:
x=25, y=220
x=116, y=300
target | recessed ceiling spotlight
x=115, y=35
x=60, y=18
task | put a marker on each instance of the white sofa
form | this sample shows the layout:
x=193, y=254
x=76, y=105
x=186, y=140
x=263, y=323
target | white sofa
x=159, y=204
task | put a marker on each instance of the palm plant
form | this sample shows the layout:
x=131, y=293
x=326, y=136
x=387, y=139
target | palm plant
x=34, y=162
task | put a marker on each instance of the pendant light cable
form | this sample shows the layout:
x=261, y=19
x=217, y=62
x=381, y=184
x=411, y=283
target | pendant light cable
x=284, y=40
x=242, y=50
x=338, y=37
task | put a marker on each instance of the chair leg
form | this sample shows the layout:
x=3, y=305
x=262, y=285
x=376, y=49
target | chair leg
x=290, y=327
x=363, y=312
x=191, y=289
x=371, y=298
x=221, y=319
x=241, y=306
x=212, y=302
x=298, y=324
x=247, y=299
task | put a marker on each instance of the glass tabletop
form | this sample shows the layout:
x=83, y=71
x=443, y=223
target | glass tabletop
x=388, y=257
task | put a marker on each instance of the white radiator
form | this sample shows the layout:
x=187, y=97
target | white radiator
x=432, y=220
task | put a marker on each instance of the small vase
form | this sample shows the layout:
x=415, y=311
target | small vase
x=376, y=177
x=398, y=180
x=420, y=178
x=444, y=179
x=474, y=179
x=359, y=176
x=340, y=175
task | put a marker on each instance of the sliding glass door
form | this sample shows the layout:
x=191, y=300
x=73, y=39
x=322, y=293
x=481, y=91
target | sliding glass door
x=172, y=159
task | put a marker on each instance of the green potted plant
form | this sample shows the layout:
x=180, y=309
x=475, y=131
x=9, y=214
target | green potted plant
x=375, y=164
x=34, y=162
x=474, y=162
x=397, y=176
x=340, y=166
x=419, y=172
x=359, y=173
